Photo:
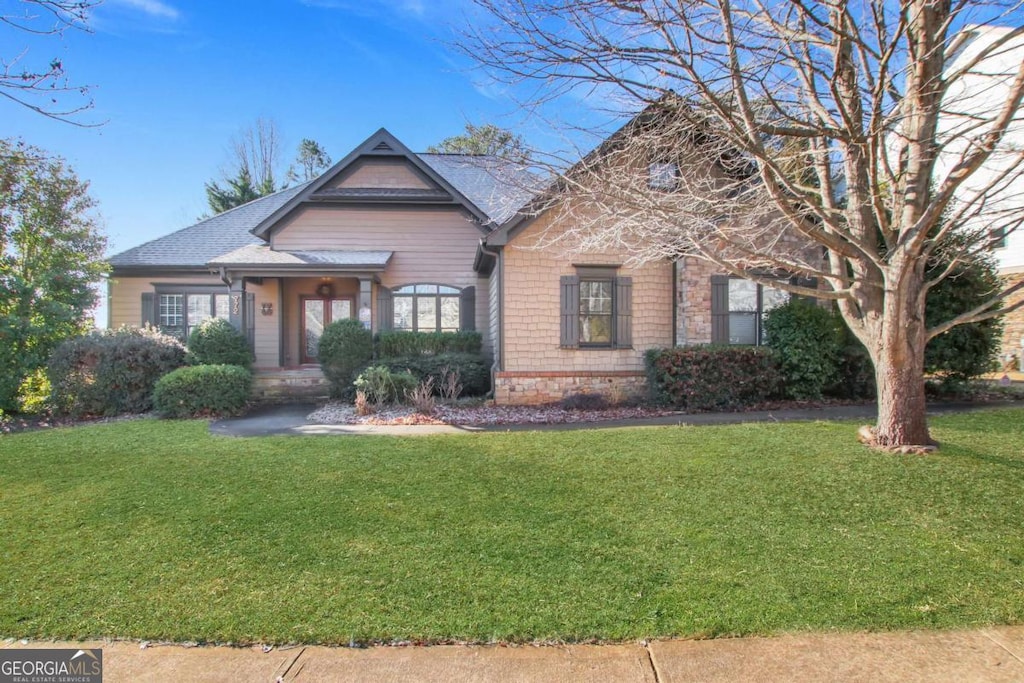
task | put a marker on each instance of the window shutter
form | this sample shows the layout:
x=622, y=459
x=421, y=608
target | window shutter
x=467, y=309
x=250, y=319
x=148, y=309
x=623, y=312
x=570, y=312
x=385, y=310
x=719, y=309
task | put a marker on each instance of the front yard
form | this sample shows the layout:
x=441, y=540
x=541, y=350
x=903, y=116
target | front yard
x=156, y=530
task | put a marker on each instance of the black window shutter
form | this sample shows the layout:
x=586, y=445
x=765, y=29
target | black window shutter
x=385, y=310
x=719, y=309
x=467, y=308
x=570, y=300
x=250, y=320
x=623, y=312
x=148, y=309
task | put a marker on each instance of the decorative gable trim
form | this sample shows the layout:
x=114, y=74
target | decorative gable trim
x=380, y=144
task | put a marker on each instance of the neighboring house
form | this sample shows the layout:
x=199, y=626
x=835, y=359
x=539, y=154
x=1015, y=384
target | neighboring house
x=426, y=242
x=977, y=96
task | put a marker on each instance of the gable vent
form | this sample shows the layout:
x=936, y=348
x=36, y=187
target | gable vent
x=383, y=147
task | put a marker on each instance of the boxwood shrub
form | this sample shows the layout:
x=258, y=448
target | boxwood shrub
x=111, y=372
x=474, y=372
x=807, y=340
x=398, y=344
x=712, y=377
x=345, y=348
x=203, y=390
x=215, y=341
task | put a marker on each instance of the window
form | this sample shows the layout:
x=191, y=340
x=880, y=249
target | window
x=997, y=238
x=738, y=307
x=426, y=308
x=178, y=311
x=596, y=309
x=663, y=175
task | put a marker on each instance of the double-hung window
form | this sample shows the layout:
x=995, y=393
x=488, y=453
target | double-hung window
x=596, y=309
x=738, y=307
x=179, y=310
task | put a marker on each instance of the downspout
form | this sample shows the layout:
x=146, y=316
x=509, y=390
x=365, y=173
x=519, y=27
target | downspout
x=224, y=277
x=499, y=352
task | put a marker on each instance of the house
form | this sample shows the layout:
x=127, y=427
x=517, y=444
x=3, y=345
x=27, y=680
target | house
x=973, y=97
x=425, y=242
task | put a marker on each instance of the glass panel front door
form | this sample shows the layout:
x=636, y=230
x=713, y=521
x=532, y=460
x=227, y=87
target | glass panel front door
x=316, y=314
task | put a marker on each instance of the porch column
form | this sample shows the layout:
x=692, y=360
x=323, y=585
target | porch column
x=365, y=303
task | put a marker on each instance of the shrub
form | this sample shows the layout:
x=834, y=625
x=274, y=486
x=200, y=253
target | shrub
x=584, y=401
x=203, y=390
x=402, y=344
x=421, y=397
x=111, y=372
x=965, y=351
x=379, y=385
x=856, y=372
x=34, y=392
x=345, y=347
x=712, y=377
x=215, y=341
x=474, y=373
x=807, y=340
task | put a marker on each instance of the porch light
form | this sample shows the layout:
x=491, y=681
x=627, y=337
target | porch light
x=325, y=289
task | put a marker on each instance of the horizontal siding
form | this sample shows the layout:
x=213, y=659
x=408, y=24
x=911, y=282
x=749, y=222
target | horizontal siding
x=125, y=303
x=268, y=334
x=435, y=246
x=384, y=173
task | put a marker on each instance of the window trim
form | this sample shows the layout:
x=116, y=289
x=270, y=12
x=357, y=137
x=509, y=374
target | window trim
x=414, y=296
x=184, y=291
x=758, y=314
x=571, y=317
x=663, y=175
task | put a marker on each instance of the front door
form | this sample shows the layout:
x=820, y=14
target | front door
x=317, y=312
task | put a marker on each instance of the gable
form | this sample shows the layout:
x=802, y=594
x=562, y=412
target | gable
x=381, y=173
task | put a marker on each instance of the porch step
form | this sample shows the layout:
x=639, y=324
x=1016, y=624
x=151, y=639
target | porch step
x=275, y=383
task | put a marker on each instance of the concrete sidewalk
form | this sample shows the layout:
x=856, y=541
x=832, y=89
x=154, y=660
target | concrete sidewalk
x=990, y=654
x=290, y=419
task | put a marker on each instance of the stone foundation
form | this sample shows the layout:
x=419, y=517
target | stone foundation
x=1013, y=325
x=535, y=388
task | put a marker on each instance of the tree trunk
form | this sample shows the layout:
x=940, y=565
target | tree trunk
x=902, y=419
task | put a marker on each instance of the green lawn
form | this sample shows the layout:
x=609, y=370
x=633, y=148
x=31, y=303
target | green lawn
x=157, y=530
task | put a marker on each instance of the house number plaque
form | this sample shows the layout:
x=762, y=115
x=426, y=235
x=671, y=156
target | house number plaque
x=236, y=305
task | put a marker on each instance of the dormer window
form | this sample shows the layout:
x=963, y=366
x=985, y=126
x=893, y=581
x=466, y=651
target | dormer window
x=663, y=175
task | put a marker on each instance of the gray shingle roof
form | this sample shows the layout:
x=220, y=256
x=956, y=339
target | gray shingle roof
x=496, y=186
x=262, y=255
x=198, y=244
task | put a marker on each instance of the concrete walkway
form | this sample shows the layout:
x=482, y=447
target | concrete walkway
x=990, y=654
x=290, y=419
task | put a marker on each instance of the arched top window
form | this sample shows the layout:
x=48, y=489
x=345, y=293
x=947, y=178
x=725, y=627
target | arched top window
x=426, y=308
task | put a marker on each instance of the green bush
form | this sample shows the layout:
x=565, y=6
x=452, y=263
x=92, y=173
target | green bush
x=111, y=372
x=345, y=347
x=381, y=385
x=965, y=351
x=474, y=372
x=712, y=377
x=402, y=344
x=202, y=391
x=807, y=340
x=215, y=341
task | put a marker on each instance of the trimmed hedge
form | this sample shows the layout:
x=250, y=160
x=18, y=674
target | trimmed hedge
x=215, y=341
x=111, y=372
x=712, y=377
x=807, y=340
x=202, y=391
x=402, y=344
x=345, y=347
x=474, y=373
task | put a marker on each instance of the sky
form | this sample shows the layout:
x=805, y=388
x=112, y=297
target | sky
x=172, y=82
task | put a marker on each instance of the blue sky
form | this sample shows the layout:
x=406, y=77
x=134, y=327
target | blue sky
x=174, y=80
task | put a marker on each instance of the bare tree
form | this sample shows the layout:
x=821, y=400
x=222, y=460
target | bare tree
x=814, y=140
x=257, y=149
x=44, y=88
